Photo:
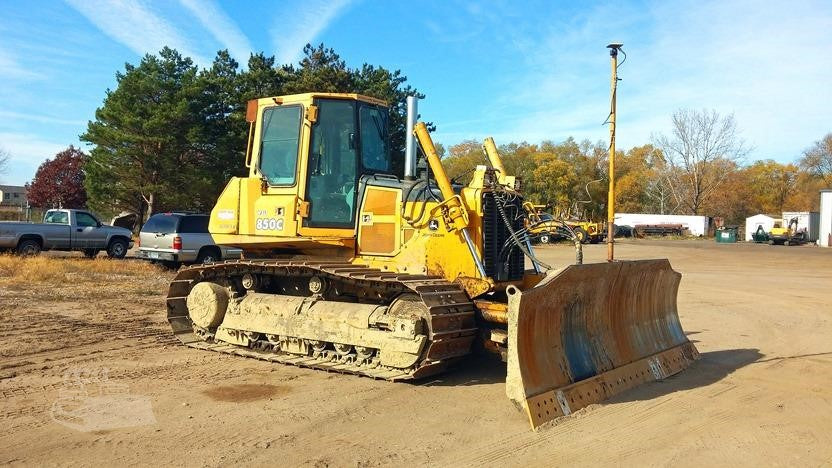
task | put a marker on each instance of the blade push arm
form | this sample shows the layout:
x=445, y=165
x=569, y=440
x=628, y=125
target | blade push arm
x=494, y=157
x=452, y=208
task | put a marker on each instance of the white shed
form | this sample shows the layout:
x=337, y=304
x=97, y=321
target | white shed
x=825, y=231
x=752, y=223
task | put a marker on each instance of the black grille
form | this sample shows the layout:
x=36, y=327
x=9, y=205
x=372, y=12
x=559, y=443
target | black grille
x=502, y=259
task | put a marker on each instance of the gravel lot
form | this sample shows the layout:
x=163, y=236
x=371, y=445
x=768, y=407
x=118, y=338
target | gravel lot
x=761, y=316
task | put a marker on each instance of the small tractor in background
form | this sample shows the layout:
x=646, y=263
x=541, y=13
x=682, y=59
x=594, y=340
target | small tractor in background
x=790, y=235
x=545, y=227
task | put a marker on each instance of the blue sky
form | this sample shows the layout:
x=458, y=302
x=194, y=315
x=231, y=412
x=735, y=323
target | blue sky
x=517, y=72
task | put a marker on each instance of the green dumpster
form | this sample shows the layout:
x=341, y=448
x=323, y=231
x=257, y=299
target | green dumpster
x=727, y=235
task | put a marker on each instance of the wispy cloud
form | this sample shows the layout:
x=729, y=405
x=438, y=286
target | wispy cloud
x=221, y=26
x=308, y=19
x=133, y=24
x=765, y=65
x=26, y=153
x=11, y=68
x=48, y=119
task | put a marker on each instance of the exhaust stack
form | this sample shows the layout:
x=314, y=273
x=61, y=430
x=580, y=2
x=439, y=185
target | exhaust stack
x=410, y=142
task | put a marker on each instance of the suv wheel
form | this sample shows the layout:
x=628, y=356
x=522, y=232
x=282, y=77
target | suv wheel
x=28, y=248
x=544, y=238
x=208, y=255
x=117, y=248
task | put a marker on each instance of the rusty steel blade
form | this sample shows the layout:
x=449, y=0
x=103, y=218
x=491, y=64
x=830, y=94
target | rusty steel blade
x=588, y=332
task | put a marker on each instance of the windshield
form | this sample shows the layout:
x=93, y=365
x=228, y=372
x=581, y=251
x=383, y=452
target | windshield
x=279, y=145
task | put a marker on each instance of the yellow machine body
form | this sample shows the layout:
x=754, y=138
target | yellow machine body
x=351, y=268
x=389, y=232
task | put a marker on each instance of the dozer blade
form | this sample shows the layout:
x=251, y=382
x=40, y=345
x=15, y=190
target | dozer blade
x=588, y=332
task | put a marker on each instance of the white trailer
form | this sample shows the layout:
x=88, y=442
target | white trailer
x=807, y=221
x=825, y=219
x=752, y=223
x=696, y=225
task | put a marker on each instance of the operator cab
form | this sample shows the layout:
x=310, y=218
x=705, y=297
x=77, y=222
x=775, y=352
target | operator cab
x=348, y=137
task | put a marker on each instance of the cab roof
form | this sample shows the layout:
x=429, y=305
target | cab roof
x=307, y=97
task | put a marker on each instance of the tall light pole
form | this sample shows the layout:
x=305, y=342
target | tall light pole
x=614, y=47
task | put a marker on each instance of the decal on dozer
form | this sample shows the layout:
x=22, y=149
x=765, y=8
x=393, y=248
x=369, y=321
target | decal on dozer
x=588, y=332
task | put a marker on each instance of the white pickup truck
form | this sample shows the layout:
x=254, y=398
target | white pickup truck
x=65, y=230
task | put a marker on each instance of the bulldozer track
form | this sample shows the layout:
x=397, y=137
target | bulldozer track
x=451, y=326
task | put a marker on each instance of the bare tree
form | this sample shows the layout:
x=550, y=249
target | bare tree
x=701, y=152
x=818, y=159
x=660, y=195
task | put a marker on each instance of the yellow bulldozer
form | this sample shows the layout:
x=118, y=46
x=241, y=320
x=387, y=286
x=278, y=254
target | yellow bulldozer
x=350, y=267
x=546, y=228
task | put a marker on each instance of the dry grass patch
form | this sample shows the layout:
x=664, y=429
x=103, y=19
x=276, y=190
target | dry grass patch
x=64, y=278
x=56, y=270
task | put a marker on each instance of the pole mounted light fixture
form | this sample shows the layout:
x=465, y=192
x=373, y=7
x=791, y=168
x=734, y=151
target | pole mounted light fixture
x=614, y=48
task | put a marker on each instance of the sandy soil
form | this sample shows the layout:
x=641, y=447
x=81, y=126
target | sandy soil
x=761, y=394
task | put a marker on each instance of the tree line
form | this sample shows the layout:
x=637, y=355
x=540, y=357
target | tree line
x=171, y=134
x=700, y=169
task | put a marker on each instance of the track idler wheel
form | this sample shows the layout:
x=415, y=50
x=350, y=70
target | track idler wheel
x=207, y=303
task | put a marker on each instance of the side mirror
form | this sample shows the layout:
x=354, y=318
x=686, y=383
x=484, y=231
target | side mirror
x=251, y=111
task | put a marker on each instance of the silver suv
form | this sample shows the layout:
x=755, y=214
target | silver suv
x=175, y=238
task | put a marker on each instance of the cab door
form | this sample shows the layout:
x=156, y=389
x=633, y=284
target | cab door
x=332, y=171
x=87, y=232
x=269, y=198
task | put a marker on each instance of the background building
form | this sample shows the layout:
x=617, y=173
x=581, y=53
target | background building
x=825, y=234
x=752, y=223
x=13, y=203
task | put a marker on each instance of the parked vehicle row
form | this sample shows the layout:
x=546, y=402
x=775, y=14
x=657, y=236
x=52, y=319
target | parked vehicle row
x=65, y=230
x=170, y=238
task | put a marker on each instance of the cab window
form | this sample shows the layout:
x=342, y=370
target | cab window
x=332, y=165
x=375, y=155
x=85, y=220
x=56, y=217
x=193, y=225
x=279, y=144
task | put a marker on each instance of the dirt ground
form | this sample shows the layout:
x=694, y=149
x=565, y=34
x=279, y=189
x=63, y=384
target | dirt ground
x=761, y=394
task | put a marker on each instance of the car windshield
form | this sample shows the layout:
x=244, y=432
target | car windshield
x=161, y=224
x=546, y=217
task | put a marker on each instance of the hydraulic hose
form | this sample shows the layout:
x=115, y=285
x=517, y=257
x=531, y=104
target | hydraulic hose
x=517, y=242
